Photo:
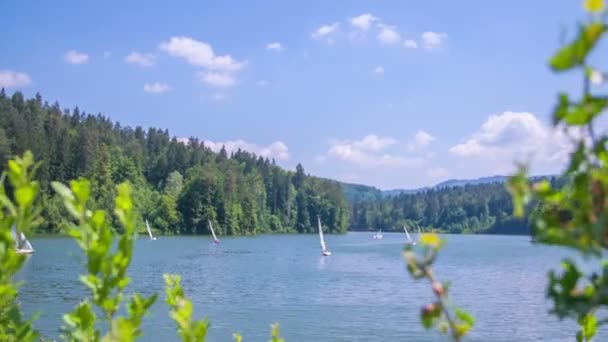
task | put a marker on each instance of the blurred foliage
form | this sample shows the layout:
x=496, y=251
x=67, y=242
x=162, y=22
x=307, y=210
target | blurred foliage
x=18, y=211
x=575, y=214
x=440, y=314
x=107, y=270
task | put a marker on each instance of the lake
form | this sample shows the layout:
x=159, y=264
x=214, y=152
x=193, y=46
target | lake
x=362, y=292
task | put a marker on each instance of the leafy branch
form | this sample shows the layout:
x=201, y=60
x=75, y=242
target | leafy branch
x=440, y=314
x=107, y=270
x=575, y=214
x=21, y=214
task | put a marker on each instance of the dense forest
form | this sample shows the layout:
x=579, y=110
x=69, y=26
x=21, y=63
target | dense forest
x=179, y=186
x=475, y=208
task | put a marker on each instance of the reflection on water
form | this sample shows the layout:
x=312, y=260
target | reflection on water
x=322, y=262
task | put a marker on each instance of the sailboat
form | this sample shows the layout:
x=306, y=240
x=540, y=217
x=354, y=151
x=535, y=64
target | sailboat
x=324, y=249
x=378, y=234
x=152, y=237
x=22, y=245
x=215, y=239
x=409, y=238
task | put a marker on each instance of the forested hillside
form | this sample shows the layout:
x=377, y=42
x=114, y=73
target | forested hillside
x=179, y=186
x=481, y=208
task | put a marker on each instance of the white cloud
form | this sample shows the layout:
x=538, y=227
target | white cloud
x=326, y=32
x=75, y=57
x=372, y=142
x=14, y=79
x=277, y=150
x=388, y=35
x=410, y=44
x=183, y=140
x=421, y=140
x=218, y=79
x=370, y=151
x=156, y=88
x=363, y=22
x=275, y=46
x=433, y=40
x=438, y=173
x=139, y=59
x=379, y=70
x=262, y=83
x=516, y=137
x=200, y=54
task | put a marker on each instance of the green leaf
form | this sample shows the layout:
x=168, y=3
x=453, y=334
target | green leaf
x=578, y=113
x=274, y=333
x=25, y=196
x=427, y=321
x=465, y=316
x=588, y=325
x=462, y=329
x=81, y=189
x=62, y=190
x=14, y=167
x=577, y=158
x=574, y=54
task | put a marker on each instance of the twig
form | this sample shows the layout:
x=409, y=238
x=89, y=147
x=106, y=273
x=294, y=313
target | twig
x=444, y=309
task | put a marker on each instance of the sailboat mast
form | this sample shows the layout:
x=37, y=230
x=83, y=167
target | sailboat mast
x=321, y=233
x=149, y=231
x=16, y=237
x=212, y=231
x=409, y=238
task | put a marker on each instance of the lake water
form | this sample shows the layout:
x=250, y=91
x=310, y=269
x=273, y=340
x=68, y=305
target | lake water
x=362, y=292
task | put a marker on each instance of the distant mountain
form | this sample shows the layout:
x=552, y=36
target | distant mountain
x=447, y=184
x=462, y=182
x=395, y=192
x=357, y=193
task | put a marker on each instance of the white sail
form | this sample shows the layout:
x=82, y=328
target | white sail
x=378, y=234
x=149, y=231
x=323, y=248
x=419, y=233
x=212, y=231
x=409, y=238
x=22, y=245
x=26, y=246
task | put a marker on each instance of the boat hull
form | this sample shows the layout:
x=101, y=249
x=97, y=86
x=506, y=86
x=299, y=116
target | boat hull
x=25, y=251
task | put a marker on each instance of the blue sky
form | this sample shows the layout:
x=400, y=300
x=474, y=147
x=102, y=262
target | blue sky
x=395, y=94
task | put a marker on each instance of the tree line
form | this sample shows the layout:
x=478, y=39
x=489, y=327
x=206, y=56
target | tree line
x=178, y=186
x=474, y=208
